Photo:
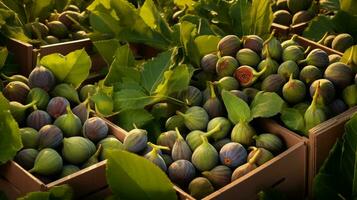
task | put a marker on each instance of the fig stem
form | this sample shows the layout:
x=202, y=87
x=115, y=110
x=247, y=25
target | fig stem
x=204, y=139
x=179, y=136
x=316, y=95
x=68, y=109
x=99, y=149
x=260, y=72
x=270, y=37
x=212, y=92
x=323, y=38
x=134, y=125
x=293, y=38
x=156, y=147
x=350, y=58
x=213, y=131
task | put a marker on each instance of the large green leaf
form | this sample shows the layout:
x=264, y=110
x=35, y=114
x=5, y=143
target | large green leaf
x=62, y=192
x=318, y=27
x=188, y=33
x=206, y=44
x=266, y=104
x=3, y=55
x=41, y=9
x=103, y=21
x=238, y=110
x=103, y=99
x=293, y=119
x=131, y=99
x=107, y=49
x=139, y=117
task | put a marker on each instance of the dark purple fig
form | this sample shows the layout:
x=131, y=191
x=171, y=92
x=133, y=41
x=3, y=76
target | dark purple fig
x=29, y=138
x=349, y=95
x=209, y=62
x=224, y=128
x=37, y=119
x=167, y=139
x=328, y=40
x=57, y=106
x=15, y=77
x=195, y=118
x=318, y=58
x=250, y=92
x=229, y=45
x=50, y=137
x=302, y=17
x=26, y=158
x=67, y=91
x=220, y=143
x=227, y=83
x=248, y=57
x=69, y=123
x=40, y=97
x=269, y=142
x=246, y=168
x=68, y=170
x=309, y=74
x=194, y=138
x=176, y=121
x=240, y=94
x=290, y=42
x=167, y=158
x=282, y=4
x=233, y=155
x=247, y=75
x=181, y=172
x=136, y=140
x=273, y=83
x=243, y=133
x=219, y=176
x=16, y=91
x=180, y=150
x=337, y=107
x=155, y=157
x=294, y=91
x=205, y=156
x=340, y=74
x=272, y=47
x=200, y=187
x=334, y=58
x=262, y=158
x=293, y=53
x=18, y=111
x=282, y=17
x=297, y=5
x=226, y=66
x=253, y=42
x=162, y=110
x=82, y=110
x=192, y=96
x=270, y=65
x=342, y=42
x=213, y=105
x=327, y=91
x=87, y=90
x=43, y=78
x=287, y=68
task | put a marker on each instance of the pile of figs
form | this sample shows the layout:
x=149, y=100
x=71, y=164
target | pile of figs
x=59, y=138
x=59, y=27
x=293, y=12
x=339, y=42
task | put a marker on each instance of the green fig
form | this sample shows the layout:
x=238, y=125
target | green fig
x=76, y=150
x=18, y=111
x=269, y=142
x=39, y=96
x=290, y=42
x=192, y=96
x=205, y=156
x=318, y=58
x=314, y=114
x=200, y=187
x=167, y=139
x=181, y=172
x=225, y=66
x=310, y=73
x=15, y=77
x=95, y=129
x=94, y=159
x=48, y=162
x=247, y=75
x=340, y=74
x=264, y=157
x=227, y=83
x=155, y=157
x=17, y=91
x=270, y=65
x=176, y=121
x=50, y=136
x=57, y=29
x=229, y=45
x=293, y=53
x=50, y=39
x=349, y=95
x=194, y=138
x=246, y=168
x=273, y=83
x=87, y=90
x=327, y=91
x=294, y=91
x=334, y=58
x=180, y=150
x=67, y=91
x=328, y=40
x=248, y=57
x=29, y=138
x=272, y=47
x=282, y=17
x=243, y=133
x=302, y=17
x=79, y=35
x=195, y=118
x=253, y=42
x=342, y=42
x=209, y=62
x=287, y=68
x=219, y=176
x=107, y=144
x=224, y=127
x=69, y=123
x=26, y=158
x=213, y=106
x=68, y=170
x=136, y=140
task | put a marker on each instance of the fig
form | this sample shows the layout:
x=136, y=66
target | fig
x=17, y=91
x=180, y=150
x=318, y=58
x=181, y=172
x=287, y=68
x=225, y=66
x=29, y=138
x=50, y=39
x=167, y=159
x=79, y=35
x=57, y=29
x=162, y=110
x=87, y=90
x=209, y=62
x=302, y=17
x=18, y=111
x=50, y=136
x=175, y=121
x=167, y=139
x=240, y=94
x=250, y=92
x=229, y=45
x=195, y=118
x=248, y=57
x=205, y=156
x=69, y=123
x=57, y=106
x=294, y=91
x=194, y=138
x=200, y=187
x=246, y=168
x=309, y=74
x=337, y=107
x=94, y=159
x=273, y=83
x=200, y=78
x=82, y=111
x=224, y=127
x=37, y=119
x=262, y=158
x=247, y=76
x=40, y=96
x=293, y=53
x=282, y=4
x=66, y=19
x=37, y=29
x=290, y=42
x=76, y=150
x=243, y=133
x=68, y=170
x=192, y=96
x=327, y=91
x=272, y=47
x=136, y=140
x=253, y=42
x=334, y=58
x=213, y=105
x=233, y=155
x=297, y=5
x=314, y=114
x=220, y=143
x=328, y=40
x=15, y=77
x=342, y=42
x=95, y=129
x=72, y=8
x=269, y=142
x=42, y=77
x=270, y=65
x=282, y=17
x=26, y=158
x=48, y=162
x=67, y=91
x=155, y=157
x=107, y=144
x=53, y=16
x=227, y=83
x=349, y=95
x=219, y=176
x=340, y=74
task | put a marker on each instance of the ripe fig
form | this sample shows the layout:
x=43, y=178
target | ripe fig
x=290, y=42
x=349, y=95
x=213, y=106
x=15, y=77
x=87, y=90
x=38, y=30
x=167, y=158
x=195, y=118
x=272, y=47
x=294, y=91
x=176, y=121
x=227, y=83
x=162, y=110
x=57, y=29
x=50, y=39
x=67, y=91
x=327, y=91
x=247, y=76
x=229, y=45
x=167, y=139
x=246, y=168
x=302, y=17
x=297, y=5
x=26, y=158
x=72, y=8
x=18, y=111
x=209, y=62
x=243, y=133
x=53, y=16
x=95, y=129
x=48, y=162
x=328, y=40
x=240, y=94
x=76, y=150
x=337, y=107
x=269, y=142
x=42, y=77
x=270, y=65
x=340, y=74
x=220, y=143
x=293, y=53
x=287, y=68
x=192, y=96
x=219, y=176
x=233, y=155
x=314, y=114
x=40, y=97
x=94, y=159
x=82, y=111
x=200, y=187
x=264, y=156
x=250, y=92
x=309, y=74
x=50, y=136
x=248, y=57
x=155, y=157
x=37, y=119
x=107, y=144
x=282, y=4
x=79, y=35
x=68, y=170
x=342, y=42
x=57, y=106
x=224, y=128
x=205, y=156
x=282, y=17
x=225, y=66
x=16, y=91
x=29, y=138
x=69, y=123
x=136, y=140
x=180, y=150
x=65, y=18
x=273, y=83
x=334, y=58
x=181, y=172
x=253, y=42
x=194, y=138
x=318, y=58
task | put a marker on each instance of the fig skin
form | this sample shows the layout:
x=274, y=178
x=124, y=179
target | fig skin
x=181, y=172
x=229, y=45
x=220, y=143
x=16, y=91
x=340, y=74
x=287, y=68
x=68, y=170
x=298, y=5
x=254, y=43
x=29, y=137
x=333, y=58
x=48, y=162
x=18, y=111
x=269, y=142
x=37, y=119
x=40, y=96
x=294, y=53
x=270, y=65
x=109, y=143
x=226, y=66
x=50, y=136
x=327, y=90
x=43, y=78
x=180, y=150
x=200, y=187
x=87, y=90
x=224, y=127
x=273, y=83
x=250, y=92
x=309, y=74
x=248, y=57
x=227, y=83
x=337, y=107
x=219, y=176
x=264, y=157
x=58, y=29
x=282, y=17
x=167, y=139
x=342, y=42
x=50, y=39
x=57, y=106
x=136, y=140
x=95, y=129
x=318, y=58
x=195, y=118
x=294, y=91
x=302, y=17
x=328, y=40
x=205, y=156
x=176, y=121
x=241, y=95
x=69, y=123
x=77, y=150
x=209, y=62
x=192, y=97
x=246, y=168
x=26, y=158
x=349, y=95
x=233, y=155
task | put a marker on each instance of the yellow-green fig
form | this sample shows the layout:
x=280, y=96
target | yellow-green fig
x=76, y=150
x=48, y=162
x=200, y=187
x=205, y=156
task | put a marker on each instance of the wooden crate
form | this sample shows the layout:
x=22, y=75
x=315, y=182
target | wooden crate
x=8, y=189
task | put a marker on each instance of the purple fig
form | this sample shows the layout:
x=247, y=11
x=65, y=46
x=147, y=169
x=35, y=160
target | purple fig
x=180, y=150
x=50, y=137
x=342, y=42
x=219, y=176
x=318, y=58
x=340, y=74
x=17, y=91
x=241, y=95
x=136, y=140
x=155, y=157
x=43, y=78
x=273, y=83
x=233, y=155
x=213, y=105
x=95, y=129
x=209, y=62
x=26, y=158
x=57, y=106
x=253, y=42
x=37, y=119
x=282, y=17
x=167, y=139
x=229, y=45
x=181, y=172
